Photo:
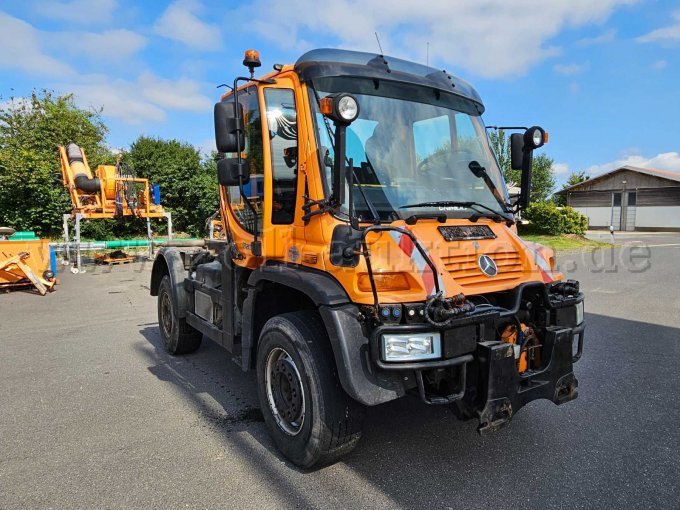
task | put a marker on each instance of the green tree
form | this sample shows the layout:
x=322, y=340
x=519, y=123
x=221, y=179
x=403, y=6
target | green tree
x=188, y=185
x=542, y=174
x=500, y=144
x=32, y=196
x=542, y=178
x=574, y=178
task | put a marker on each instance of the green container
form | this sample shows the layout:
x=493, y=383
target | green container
x=25, y=235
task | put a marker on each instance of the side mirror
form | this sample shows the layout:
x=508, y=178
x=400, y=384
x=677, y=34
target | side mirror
x=516, y=150
x=522, y=146
x=231, y=172
x=229, y=127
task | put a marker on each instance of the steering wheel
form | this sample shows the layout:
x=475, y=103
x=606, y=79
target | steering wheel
x=449, y=159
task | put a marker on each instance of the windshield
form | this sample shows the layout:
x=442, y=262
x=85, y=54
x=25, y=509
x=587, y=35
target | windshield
x=406, y=153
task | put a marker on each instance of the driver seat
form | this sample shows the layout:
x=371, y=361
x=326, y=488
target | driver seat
x=385, y=150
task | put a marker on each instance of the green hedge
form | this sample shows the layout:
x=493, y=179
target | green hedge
x=546, y=218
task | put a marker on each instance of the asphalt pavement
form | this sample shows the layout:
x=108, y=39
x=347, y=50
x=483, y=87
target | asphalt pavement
x=94, y=414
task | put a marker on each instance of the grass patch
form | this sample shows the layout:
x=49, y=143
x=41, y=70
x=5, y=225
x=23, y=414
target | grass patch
x=566, y=242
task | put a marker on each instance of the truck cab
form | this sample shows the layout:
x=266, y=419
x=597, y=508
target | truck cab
x=370, y=251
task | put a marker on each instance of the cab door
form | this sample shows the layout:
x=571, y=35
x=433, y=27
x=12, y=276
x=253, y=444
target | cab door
x=282, y=212
x=244, y=211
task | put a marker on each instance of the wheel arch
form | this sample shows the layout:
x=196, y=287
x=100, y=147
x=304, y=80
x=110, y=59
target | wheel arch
x=276, y=289
x=273, y=290
x=169, y=262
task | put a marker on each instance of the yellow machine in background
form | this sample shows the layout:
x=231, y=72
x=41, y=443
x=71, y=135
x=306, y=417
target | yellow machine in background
x=113, y=193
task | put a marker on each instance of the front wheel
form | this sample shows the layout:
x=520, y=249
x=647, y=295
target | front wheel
x=310, y=417
x=178, y=336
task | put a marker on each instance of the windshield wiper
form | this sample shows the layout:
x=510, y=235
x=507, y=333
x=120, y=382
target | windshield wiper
x=479, y=171
x=488, y=211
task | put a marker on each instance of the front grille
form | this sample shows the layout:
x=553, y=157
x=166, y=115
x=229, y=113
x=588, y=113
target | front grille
x=465, y=269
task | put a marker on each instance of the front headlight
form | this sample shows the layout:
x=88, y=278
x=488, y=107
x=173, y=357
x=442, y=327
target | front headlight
x=579, y=313
x=411, y=346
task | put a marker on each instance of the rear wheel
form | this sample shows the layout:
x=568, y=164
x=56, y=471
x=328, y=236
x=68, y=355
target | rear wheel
x=310, y=417
x=178, y=336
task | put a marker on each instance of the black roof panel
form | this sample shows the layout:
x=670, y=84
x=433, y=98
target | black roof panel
x=328, y=62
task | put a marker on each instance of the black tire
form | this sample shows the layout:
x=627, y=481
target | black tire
x=329, y=425
x=178, y=337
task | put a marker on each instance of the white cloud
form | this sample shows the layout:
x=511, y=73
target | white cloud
x=669, y=161
x=560, y=168
x=570, y=69
x=659, y=64
x=492, y=38
x=27, y=49
x=180, y=22
x=20, y=48
x=119, y=44
x=145, y=99
x=182, y=94
x=671, y=33
x=603, y=38
x=86, y=12
x=118, y=99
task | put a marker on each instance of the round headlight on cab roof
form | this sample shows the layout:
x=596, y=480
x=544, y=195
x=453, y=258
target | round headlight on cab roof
x=348, y=108
x=343, y=108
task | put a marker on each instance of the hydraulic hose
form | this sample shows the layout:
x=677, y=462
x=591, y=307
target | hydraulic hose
x=80, y=175
x=440, y=311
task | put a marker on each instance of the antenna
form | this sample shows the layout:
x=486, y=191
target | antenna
x=379, y=46
x=428, y=53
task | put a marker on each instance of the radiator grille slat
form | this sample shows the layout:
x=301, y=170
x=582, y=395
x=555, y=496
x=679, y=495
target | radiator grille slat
x=465, y=269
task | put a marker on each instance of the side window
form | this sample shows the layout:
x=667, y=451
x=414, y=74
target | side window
x=253, y=154
x=282, y=124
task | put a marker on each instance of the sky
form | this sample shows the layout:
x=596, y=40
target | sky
x=602, y=76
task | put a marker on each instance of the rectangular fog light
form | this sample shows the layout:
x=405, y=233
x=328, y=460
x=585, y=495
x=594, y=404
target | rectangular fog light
x=411, y=346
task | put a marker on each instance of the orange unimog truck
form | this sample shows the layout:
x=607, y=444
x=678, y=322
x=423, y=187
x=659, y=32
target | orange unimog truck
x=370, y=252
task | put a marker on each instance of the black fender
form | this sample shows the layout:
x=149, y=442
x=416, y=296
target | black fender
x=362, y=380
x=169, y=261
x=348, y=339
x=321, y=287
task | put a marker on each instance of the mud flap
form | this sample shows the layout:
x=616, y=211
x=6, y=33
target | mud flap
x=505, y=391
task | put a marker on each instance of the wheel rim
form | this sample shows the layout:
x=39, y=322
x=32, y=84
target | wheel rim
x=285, y=394
x=166, y=315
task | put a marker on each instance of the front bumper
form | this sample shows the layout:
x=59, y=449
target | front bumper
x=481, y=373
x=504, y=391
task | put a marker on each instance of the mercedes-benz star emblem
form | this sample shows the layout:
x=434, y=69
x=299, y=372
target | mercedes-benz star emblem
x=487, y=265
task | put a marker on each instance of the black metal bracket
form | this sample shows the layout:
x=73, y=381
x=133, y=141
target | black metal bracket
x=367, y=255
x=324, y=205
x=447, y=399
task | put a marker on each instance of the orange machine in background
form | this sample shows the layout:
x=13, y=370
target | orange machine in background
x=25, y=263
x=113, y=193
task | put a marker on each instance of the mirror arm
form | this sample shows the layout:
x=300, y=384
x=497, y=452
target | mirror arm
x=525, y=186
x=339, y=163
